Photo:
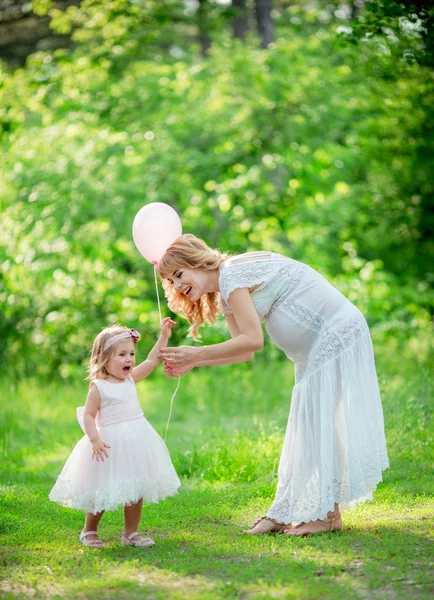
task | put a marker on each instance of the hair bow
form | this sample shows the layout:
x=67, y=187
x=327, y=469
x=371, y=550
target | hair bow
x=135, y=335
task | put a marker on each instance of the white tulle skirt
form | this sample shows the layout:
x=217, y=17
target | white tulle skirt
x=139, y=466
x=334, y=449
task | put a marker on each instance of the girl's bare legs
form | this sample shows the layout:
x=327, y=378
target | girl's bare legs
x=91, y=524
x=132, y=514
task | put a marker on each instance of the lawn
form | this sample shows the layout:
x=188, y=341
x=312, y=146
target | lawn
x=224, y=438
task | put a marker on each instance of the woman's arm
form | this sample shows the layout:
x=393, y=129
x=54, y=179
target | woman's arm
x=248, y=339
x=226, y=361
x=234, y=331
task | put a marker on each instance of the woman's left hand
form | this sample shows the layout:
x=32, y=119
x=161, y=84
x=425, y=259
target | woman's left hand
x=179, y=357
x=175, y=373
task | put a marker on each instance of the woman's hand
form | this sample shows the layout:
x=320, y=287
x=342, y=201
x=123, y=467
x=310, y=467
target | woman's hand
x=99, y=450
x=180, y=357
x=171, y=372
x=166, y=328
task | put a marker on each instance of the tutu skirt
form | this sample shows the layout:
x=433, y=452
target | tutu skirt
x=138, y=467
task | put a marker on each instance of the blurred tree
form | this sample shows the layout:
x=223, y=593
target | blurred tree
x=264, y=21
x=317, y=148
x=204, y=28
x=412, y=20
x=240, y=20
x=22, y=32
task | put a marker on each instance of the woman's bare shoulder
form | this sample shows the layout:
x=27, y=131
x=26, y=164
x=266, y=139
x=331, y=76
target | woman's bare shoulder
x=247, y=257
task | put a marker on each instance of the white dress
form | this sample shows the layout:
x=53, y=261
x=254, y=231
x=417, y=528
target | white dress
x=138, y=466
x=334, y=448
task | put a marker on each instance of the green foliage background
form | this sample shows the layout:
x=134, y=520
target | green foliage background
x=317, y=148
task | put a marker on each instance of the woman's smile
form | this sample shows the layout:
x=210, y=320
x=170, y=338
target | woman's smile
x=187, y=290
x=193, y=283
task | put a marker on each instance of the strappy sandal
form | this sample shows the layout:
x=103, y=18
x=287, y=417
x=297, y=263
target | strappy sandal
x=131, y=540
x=331, y=522
x=278, y=527
x=90, y=543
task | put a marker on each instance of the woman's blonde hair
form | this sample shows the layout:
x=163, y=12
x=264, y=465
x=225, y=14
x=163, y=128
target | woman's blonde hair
x=190, y=252
x=100, y=357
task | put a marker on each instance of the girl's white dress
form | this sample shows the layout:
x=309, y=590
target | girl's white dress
x=334, y=448
x=139, y=464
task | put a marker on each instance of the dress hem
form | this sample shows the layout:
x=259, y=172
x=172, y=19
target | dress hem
x=347, y=505
x=93, y=506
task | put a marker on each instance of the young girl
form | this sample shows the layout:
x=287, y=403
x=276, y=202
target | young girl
x=122, y=460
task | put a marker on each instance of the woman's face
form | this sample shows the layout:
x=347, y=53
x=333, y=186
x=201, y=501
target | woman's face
x=193, y=283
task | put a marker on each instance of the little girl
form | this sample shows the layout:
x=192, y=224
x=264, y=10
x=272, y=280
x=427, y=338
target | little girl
x=122, y=460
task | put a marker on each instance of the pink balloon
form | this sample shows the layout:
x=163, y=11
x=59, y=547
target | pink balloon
x=155, y=227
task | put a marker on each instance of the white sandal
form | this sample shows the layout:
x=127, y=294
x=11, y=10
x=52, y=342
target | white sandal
x=90, y=543
x=131, y=540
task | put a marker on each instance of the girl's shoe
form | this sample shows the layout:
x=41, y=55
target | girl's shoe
x=265, y=525
x=330, y=524
x=91, y=543
x=131, y=540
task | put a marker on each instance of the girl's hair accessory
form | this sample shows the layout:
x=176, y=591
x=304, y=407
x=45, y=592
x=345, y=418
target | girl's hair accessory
x=129, y=333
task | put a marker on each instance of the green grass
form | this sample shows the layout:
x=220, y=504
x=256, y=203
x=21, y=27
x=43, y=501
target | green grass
x=225, y=437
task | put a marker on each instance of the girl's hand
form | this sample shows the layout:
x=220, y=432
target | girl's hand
x=166, y=327
x=99, y=450
x=179, y=358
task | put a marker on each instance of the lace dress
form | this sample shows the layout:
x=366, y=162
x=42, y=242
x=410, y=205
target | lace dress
x=334, y=448
x=138, y=466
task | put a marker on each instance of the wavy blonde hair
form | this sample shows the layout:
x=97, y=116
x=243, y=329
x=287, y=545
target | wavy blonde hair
x=100, y=357
x=190, y=252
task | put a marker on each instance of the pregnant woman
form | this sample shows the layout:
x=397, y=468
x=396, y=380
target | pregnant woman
x=334, y=450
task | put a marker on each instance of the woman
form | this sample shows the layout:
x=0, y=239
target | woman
x=334, y=450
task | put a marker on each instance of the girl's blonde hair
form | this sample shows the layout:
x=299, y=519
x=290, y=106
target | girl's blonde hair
x=190, y=252
x=100, y=357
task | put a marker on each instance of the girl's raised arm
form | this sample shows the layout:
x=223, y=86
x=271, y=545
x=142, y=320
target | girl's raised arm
x=146, y=367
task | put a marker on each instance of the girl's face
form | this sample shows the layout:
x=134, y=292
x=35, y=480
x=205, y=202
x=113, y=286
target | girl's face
x=193, y=283
x=122, y=361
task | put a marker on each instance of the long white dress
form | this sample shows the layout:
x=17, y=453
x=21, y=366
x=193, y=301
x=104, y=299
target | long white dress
x=138, y=466
x=334, y=448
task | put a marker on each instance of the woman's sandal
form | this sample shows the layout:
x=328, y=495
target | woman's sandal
x=131, y=540
x=331, y=522
x=90, y=543
x=272, y=527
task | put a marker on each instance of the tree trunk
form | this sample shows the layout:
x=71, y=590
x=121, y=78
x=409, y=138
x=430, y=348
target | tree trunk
x=202, y=21
x=23, y=32
x=264, y=21
x=240, y=22
x=354, y=7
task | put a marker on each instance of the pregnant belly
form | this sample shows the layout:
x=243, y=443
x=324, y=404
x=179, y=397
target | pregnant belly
x=289, y=335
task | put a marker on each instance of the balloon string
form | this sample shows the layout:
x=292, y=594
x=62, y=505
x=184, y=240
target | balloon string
x=158, y=295
x=171, y=407
x=179, y=378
